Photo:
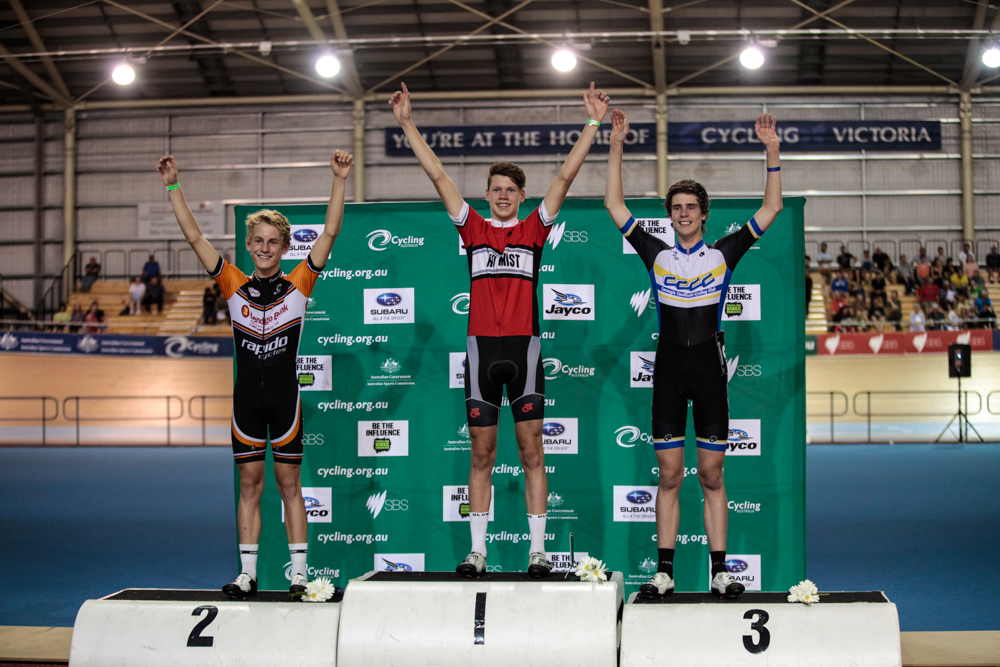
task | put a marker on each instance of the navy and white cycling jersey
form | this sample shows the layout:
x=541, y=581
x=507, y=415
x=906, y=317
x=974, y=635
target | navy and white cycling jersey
x=690, y=285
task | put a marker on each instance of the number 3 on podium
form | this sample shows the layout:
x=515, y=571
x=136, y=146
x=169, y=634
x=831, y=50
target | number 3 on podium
x=763, y=636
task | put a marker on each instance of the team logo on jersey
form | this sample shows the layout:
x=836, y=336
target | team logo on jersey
x=380, y=239
x=253, y=292
x=460, y=303
x=568, y=302
x=245, y=310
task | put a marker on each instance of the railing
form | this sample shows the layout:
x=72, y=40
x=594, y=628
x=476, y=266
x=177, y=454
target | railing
x=166, y=416
x=833, y=413
x=175, y=256
x=962, y=401
x=76, y=327
x=989, y=402
x=45, y=418
x=194, y=400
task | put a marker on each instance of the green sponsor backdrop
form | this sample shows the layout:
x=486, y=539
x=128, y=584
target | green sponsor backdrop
x=385, y=503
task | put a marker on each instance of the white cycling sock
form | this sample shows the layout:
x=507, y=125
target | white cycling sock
x=478, y=522
x=536, y=526
x=298, y=552
x=248, y=559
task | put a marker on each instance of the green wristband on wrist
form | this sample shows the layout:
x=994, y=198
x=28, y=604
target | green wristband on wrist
x=174, y=186
x=595, y=123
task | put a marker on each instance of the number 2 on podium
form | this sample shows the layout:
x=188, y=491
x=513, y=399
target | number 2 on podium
x=195, y=638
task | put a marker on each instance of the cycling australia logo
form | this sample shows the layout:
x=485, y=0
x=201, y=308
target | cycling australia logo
x=744, y=437
x=742, y=303
x=634, y=503
x=394, y=305
x=556, y=234
x=381, y=239
x=390, y=374
x=460, y=303
x=317, y=501
x=568, y=302
x=641, y=302
x=658, y=227
x=630, y=436
x=560, y=435
x=314, y=373
x=182, y=346
x=555, y=369
x=384, y=438
x=399, y=562
x=456, y=503
x=641, y=367
x=303, y=238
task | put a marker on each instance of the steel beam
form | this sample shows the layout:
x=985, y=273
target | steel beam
x=36, y=41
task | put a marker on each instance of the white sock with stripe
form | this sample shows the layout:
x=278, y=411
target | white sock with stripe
x=248, y=559
x=478, y=522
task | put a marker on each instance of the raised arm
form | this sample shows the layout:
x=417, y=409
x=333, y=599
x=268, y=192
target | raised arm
x=445, y=187
x=185, y=218
x=614, y=195
x=340, y=163
x=772, y=186
x=596, y=103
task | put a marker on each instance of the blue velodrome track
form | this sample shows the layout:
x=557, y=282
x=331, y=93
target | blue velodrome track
x=918, y=521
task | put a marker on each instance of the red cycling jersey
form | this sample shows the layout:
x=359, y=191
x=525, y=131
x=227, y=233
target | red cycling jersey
x=504, y=258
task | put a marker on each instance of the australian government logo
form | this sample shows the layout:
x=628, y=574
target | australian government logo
x=557, y=509
x=461, y=441
x=646, y=569
x=390, y=374
x=384, y=438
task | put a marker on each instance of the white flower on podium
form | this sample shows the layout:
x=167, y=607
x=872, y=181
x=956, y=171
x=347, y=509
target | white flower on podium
x=804, y=591
x=591, y=569
x=319, y=590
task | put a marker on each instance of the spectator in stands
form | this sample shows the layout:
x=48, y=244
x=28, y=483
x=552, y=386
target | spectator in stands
x=61, y=319
x=882, y=261
x=845, y=260
x=208, y=307
x=840, y=284
x=844, y=320
x=136, y=291
x=809, y=284
x=877, y=285
x=825, y=261
x=936, y=318
x=941, y=257
x=76, y=319
x=221, y=306
x=954, y=319
x=960, y=283
x=966, y=254
x=976, y=285
x=937, y=271
x=984, y=310
x=929, y=293
x=922, y=268
x=866, y=268
x=154, y=294
x=150, y=270
x=876, y=314
x=90, y=274
x=917, y=319
x=859, y=298
x=894, y=310
x=992, y=264
x=905, y=275
x=93, y=321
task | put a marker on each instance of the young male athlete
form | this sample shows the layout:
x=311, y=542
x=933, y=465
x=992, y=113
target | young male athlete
x=266, y=310
x=503, y=342
x=690, y=280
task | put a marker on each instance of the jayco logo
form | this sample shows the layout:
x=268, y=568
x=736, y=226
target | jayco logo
x=569, y=302
x=555, y=368
x=630, y=436
x=380, y=239
x=460, y=303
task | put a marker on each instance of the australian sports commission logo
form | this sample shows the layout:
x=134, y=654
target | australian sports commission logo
x=568, y=302
x=555, y=369
x=381, y=239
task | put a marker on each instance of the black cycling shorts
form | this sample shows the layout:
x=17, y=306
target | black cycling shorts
x=698, y=373
x=262, y=413
x=491, y=363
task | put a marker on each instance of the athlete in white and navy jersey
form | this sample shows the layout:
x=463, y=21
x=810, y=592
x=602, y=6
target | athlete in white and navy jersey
x=503, y=340
x=690, y=281
x=266, y=310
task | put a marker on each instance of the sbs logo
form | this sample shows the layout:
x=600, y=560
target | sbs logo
x=744, y=370
x=640, y=300
x=313, y=438
x=460, y=303
x=556, y=234
x=630, y=436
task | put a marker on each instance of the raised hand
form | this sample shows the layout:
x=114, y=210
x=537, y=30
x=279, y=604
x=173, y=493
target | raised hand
x=167, y=166
x=596, y=103
x=341, y=163
x=400, y=102
x=619, y=127
x=765, y=131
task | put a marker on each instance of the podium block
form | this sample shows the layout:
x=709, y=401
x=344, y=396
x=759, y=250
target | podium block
x=157, y=628
x=761, y=629
x=501, y=619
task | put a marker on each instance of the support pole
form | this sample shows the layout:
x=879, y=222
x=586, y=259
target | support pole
x=359, y=150
x=662, y=168
x=968, y=201
x=69, y=202
x=39, y=260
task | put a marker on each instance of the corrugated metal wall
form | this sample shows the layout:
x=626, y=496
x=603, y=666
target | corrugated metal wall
x=281, y=154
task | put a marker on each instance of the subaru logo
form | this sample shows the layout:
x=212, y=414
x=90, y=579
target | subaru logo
x=639, y=497
x=737, y=434
x=553, y=428
x=305, y=235
x=389, y=299
x=736, y=565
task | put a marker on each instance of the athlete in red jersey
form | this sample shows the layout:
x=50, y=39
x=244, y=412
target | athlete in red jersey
x=266, y=310
x=503, y=343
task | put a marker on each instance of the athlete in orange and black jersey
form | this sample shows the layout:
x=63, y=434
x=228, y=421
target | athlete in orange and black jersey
x=266, y=314
x=503, y=346
x=266, y=309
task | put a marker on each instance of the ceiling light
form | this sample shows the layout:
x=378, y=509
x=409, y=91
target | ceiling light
x=327, y=66
x=991, y=57
x=563, y=60
x=123, y=75
x=684, y=36
x=752, y=58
